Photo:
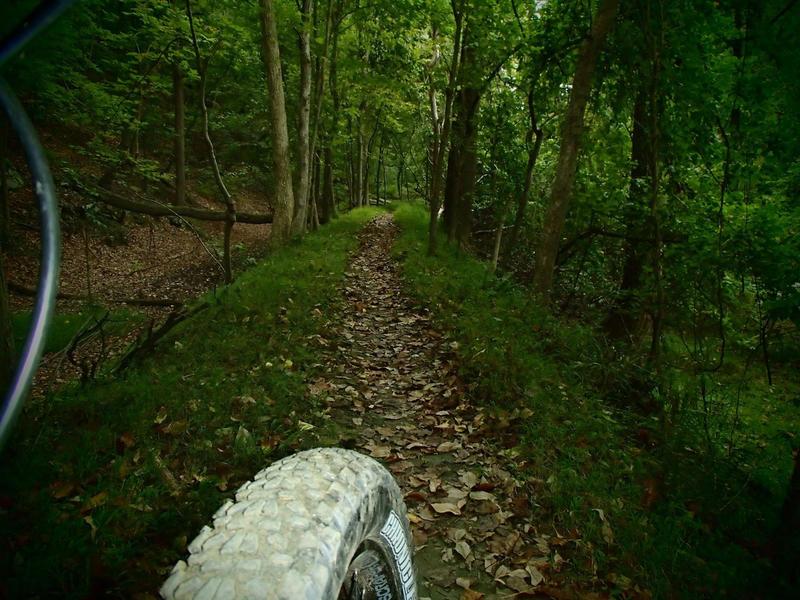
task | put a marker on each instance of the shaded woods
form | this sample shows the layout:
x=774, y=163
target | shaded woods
x=597, y=202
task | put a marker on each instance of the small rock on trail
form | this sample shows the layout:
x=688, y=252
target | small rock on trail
x=392, y=382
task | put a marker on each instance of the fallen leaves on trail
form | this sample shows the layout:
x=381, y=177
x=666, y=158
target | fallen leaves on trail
x=446, y=507
x=390, y=374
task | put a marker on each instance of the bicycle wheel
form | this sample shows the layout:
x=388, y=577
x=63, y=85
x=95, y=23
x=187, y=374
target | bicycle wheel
x=323, y=524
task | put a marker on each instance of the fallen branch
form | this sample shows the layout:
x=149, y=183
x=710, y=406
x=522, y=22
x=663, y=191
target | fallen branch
x=22, y=290
x=168, y=210
x=147, y=343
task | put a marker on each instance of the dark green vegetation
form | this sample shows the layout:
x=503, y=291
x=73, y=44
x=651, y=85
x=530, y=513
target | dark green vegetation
x=629, y=168
x=685, y=515
x=66, y=326
x=103, y=485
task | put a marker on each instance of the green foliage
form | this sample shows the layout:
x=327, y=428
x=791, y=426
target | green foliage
x=107, y=482
x=65, y=326
x=680, y=521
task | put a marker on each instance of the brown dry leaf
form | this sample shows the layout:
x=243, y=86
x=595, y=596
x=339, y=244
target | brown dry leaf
x=463, y=549
x=468, y=478
x=463, y=582
x=455, y=493
x=161, y=416
x=62, y=489
x=176, y=427
x=420, y=538
x=446, y=508
x=487, y=508
x=318, y=387
x=415, y=497
x=379, y=451
x=125, y=441
x=482, y=496
x=518, y=584
x=448, y=447
x=542, y=544
x=471, y=595
x=90, y=522
x=456, y=534
x=535, y=575
x=94, y=502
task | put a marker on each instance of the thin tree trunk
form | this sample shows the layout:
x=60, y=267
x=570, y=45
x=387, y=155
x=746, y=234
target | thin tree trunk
x=533, y=155
x=328, y=193
x=624, y=320
x=303, y=123
x=230, y=204
x=284, y=195
x=180, y=133
x=571, y=132
x=378, y=172
x=437, y=168
x=461, y=228
x=315, y=183
x=498, y=240
x=319, y=91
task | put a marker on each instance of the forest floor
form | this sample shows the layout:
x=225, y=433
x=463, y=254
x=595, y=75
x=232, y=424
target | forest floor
x=106, y=268
x=393, y=383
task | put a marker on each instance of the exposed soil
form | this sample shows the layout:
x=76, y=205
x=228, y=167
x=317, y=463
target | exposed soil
x=393, y=383
x=142, y=258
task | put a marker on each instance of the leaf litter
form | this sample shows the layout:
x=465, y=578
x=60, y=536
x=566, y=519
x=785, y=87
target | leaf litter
x=392, y=384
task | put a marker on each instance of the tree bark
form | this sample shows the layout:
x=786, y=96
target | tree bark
x=437, y=167
x=230, y=204
x=302, y=189
x=180, y=132
x=534, y=147
x=625, y=318
x=283, y=205
x=468, y=169
x=571, y=132
x=167, y=210
x=328, y=202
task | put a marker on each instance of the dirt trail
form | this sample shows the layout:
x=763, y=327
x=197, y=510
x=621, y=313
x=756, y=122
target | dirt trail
x=393, y=385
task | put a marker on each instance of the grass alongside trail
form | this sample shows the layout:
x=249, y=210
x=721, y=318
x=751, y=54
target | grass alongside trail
x=102, y=486
x=644, y=514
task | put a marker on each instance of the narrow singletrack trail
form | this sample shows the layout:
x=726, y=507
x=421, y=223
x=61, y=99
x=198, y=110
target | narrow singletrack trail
x=391, y=385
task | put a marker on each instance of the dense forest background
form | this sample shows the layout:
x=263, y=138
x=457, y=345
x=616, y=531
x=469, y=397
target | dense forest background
x=627, y=171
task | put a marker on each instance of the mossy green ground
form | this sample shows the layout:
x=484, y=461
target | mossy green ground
x=102, y=486
x=682, y=519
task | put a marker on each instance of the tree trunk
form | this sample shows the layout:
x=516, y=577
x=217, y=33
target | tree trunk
x=787, y=545
x=180, y=132
x=362, y=159
x=533, y=155
x=316, y=217
x=378, y=172
x=230, y=204
x=498, y=240
x=468, y=169
x=284, y=196
x=319, y=92
x=572, y=129
x=303, y=123
x=625, y=318
x=327, y=201
x=437, y=167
